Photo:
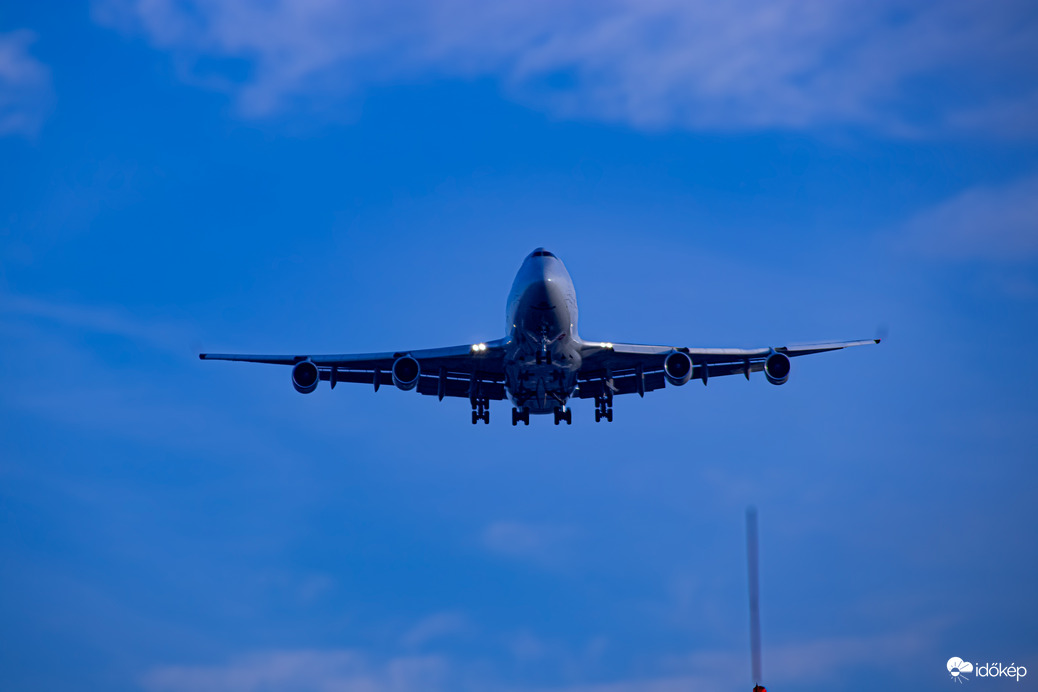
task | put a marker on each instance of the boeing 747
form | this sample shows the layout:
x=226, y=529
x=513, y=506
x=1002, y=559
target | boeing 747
x=541, y=363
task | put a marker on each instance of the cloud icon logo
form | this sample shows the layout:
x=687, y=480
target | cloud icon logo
x=956, y=666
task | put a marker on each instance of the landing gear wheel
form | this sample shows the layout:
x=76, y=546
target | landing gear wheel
x=563, y=414
x=604, y=408
x=480, y=410
x=521, y=414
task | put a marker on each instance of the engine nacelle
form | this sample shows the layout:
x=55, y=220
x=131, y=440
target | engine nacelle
x=305, y=376
x=406, y=372
x=677, y=368
x=776, y=368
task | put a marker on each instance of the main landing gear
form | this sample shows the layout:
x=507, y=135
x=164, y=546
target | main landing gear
x=481, y=411
x=522, y=414
x=564, y=414
x=604, y=408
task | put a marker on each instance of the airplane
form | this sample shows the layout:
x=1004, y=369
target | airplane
x=541, y=363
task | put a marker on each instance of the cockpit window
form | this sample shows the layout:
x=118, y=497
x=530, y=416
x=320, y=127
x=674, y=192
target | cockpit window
x=542, y=253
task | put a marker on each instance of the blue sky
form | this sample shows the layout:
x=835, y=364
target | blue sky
x=325, y=177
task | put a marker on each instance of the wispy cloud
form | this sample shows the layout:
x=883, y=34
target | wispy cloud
x=997, y=223
x=801, y=663
x=25, y=87
x=111, y=321
x=351, y=669
x=102, y=368
x=434, y=627
x=545, y=545
x=893, y=66
x=302, y=671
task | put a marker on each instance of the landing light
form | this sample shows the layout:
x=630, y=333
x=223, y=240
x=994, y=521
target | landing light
x=606, y=344
x=479, y=348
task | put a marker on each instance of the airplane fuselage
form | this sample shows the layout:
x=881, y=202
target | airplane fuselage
x=542, y=355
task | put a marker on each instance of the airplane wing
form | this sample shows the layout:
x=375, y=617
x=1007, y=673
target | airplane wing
x=639, y=368
x=471, y=371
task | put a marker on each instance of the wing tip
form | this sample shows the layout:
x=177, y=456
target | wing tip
x=202, y=356
x=877, y=340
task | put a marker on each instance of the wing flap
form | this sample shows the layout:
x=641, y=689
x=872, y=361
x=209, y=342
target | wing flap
x=455, y=371
x=625, y=384
x=456, y=387
x=355, y=376
x=621, y=363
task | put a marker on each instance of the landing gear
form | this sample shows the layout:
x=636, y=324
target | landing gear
x=604, y=408
x=564, y=414
x=481, y=411
x=544, y=352
x=521, y=414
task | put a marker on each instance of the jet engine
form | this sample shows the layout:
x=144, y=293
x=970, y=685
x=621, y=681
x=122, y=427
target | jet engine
x=405, y=372
x=776, y=367
x=305, y=376
x=677, y=368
